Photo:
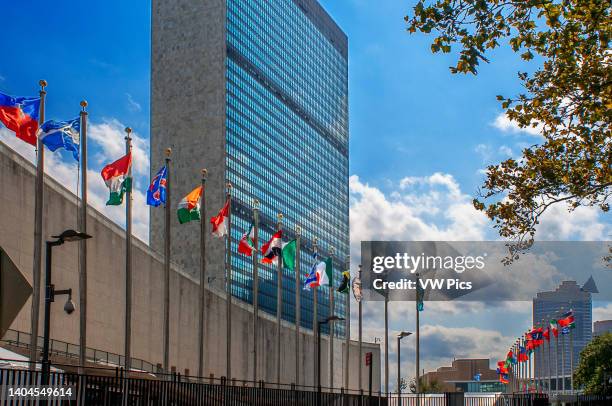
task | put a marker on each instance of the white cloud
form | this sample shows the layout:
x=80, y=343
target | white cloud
x=505, y=150
x=584, y=223
x=502, y=122
x=107, y=139
x=132, y=104
x=602, y=312
x=420, y=208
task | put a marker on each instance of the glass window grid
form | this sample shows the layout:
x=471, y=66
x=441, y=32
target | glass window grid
x=310, y=183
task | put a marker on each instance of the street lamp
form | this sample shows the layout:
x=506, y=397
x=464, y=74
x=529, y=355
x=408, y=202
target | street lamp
x=50, y=293
x=399, y=375
x=319, y=324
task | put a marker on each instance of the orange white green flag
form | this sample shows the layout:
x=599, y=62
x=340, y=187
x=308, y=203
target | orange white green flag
x=189, y=207
x=117, y=179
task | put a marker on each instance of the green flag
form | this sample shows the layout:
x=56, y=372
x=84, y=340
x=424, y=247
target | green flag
x=288, y=253
x=344, y=284
x=420, y=295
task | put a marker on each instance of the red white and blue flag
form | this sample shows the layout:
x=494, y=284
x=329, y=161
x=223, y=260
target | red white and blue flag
x=20, y=115
x=156, y=194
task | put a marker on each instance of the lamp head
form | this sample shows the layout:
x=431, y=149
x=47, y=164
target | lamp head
x=403, y=334
x=69, y=306
x=71, y=235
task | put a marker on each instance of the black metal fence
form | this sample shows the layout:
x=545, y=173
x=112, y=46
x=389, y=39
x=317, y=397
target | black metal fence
x=147, y=389
x=118, y=390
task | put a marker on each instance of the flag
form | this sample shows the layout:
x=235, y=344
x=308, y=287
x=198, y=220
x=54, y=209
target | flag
x=324, y=272
x=246, y=245
x=20, y=115
x=62, y=134
x=536, y=337
x=219, y=222
x=567, y=320
x=356, y=285
x=272, y=249
x=554, y=326
x=419, y=296
x=156, y=194
x=510, y=358
x=189, y=206
x=501, y=367
x=565, y=330
x=522, y=357
x=288, y=253
x=344, y=284
x=546, y=334
x=320, y=274
x=116, y=177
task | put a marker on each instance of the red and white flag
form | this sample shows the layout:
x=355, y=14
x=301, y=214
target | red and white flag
x=219, y=222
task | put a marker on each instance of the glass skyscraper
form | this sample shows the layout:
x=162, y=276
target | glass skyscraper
x=270, y=97
x=551, y=305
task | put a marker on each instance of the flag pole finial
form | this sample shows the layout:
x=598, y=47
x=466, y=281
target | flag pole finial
x=43, y=84
x=83, y=104
x=280, y=216
x=168, y=152
x=128, y=132
x=255, y=204
x=204, y=173
x=332, y=251
x=298, y=230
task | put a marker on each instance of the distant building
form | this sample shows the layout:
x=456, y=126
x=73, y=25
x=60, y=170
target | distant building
x=602, y=327
x=551, y=305
x=466, y=375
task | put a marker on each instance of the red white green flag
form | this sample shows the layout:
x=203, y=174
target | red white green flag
x=117, y=179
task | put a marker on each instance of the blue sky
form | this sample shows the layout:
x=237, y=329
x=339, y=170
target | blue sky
x=420, y=136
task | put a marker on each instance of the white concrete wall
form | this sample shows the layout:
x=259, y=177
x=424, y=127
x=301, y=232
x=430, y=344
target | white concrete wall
x=106, y=293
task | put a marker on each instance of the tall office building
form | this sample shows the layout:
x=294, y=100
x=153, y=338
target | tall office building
x=551, y=305
x=255, y=91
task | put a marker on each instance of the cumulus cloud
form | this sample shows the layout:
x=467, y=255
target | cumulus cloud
x=502, y=122
x=583, y=223
x=106, y=144
x=418, y=208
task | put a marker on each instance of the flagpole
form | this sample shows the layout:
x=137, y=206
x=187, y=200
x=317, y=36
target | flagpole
x=202, y=297
x=332, y=323
x=315, y=316
x=387, y=345
x=347, y=328
x=279, y=302
x=548, y=361
x=38, y=206
x=360, y=331
x=255, y=284
x=571, y=344
x=557, y=383
x=83, y=243
x=167, y=226
x=228, y=285
x=128, y=259
x=418, y=334
x=298, y=315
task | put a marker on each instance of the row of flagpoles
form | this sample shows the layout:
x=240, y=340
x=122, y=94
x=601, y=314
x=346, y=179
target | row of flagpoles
x=523, y=369
x=26, y=117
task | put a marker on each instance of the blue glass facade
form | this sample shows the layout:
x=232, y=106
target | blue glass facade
x=287, y=141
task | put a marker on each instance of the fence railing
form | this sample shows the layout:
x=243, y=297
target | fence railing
x=71, y=351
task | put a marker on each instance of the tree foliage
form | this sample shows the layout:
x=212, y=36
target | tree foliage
x=568, y=98
x=595, y=366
